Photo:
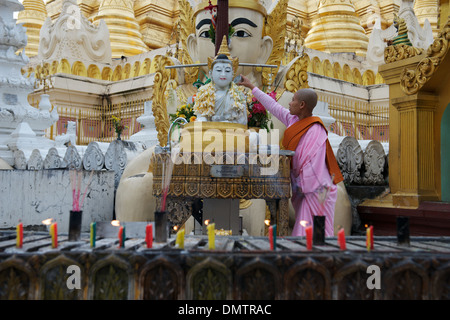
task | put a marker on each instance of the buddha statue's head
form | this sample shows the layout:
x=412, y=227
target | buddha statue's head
x=222, y=72
x=223, y=67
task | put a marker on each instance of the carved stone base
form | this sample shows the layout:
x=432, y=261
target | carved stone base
x=239, y=268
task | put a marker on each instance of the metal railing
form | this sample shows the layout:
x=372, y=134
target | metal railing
x=360, y=119
x=96, y=123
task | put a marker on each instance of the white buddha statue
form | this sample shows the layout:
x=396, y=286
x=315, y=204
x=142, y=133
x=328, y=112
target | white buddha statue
x=221, y=100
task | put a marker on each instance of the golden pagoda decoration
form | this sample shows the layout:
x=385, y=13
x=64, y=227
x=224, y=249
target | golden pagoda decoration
x=431, y=10
x=337, y=29
x=33, y=18
x=124, y=33
x=402, y=37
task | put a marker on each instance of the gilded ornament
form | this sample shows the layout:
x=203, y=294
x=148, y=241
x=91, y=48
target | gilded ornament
x=402, y=31
x=163, y=78
x=297, y=75
x=399, y=52
x=411, y=80
x=275, y=27
x=187, y=27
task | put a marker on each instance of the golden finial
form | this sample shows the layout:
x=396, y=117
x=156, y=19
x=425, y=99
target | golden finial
x=224, y=47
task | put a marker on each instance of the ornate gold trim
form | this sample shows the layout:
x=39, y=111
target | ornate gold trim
x=275, y=27
x=297, y=75
x=163, y=79
x=187, y=27
x=399, y=52
x=411, y=80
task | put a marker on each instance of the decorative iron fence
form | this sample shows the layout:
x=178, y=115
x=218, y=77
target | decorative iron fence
x=360, y=119
x=96, y=123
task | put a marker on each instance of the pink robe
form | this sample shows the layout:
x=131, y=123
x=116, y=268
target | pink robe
x=309, y=172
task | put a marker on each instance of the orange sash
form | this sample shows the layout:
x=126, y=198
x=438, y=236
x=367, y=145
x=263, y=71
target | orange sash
x=293, y=134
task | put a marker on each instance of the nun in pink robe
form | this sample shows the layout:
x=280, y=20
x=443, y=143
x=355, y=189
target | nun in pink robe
x=313, y=192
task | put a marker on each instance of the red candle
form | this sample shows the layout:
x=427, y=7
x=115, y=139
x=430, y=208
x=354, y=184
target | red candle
x=149, y=235
x=371, y=237
x=121, y=242
x=341, y=239
x=54, y=234
x=309, y=232
x=271, y=237
x=19, y=235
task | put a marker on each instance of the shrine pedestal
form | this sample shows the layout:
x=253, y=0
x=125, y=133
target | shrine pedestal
x=225, y=176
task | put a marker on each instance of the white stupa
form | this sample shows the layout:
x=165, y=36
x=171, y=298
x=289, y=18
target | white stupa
x=16, y=114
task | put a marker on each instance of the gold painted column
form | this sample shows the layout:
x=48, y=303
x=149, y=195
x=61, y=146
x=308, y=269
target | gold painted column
x=412, y=176
x=416, y=163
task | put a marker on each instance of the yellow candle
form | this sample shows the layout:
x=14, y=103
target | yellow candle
x=180, y=239
x=54, y=234
x=93, y=233
x=211, y=236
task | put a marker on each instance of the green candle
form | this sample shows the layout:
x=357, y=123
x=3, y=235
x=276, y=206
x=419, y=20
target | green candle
x=93, y=234
x=274, y=236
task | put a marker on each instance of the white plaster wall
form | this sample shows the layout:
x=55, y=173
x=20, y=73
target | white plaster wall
x=33, y=196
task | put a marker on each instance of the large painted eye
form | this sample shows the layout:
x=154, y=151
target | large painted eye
x=241, y=34
x=204, y=34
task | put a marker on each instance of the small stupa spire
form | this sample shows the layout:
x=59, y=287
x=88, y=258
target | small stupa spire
x=402, y=29
x=223, y=49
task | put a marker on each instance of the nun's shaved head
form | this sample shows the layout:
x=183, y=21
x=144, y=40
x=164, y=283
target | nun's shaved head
x=309, y=96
